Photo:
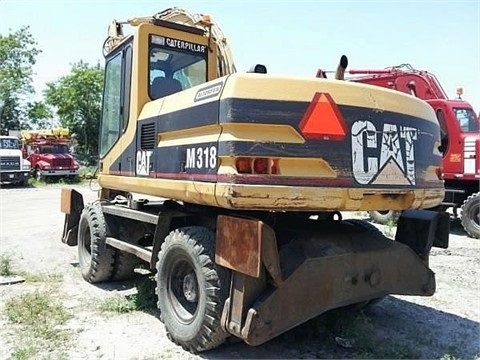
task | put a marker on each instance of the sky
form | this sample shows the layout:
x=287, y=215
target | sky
x=289, y=37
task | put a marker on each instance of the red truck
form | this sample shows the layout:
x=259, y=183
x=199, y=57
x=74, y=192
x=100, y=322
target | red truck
x=49, y=153
x=460, y=137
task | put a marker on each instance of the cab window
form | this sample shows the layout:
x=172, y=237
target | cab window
x=466, y=120
x=110, y=128
x=175, y=65
x=9, y=144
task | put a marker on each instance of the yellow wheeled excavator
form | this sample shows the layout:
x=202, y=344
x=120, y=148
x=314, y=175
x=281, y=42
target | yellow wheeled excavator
x=252, y=172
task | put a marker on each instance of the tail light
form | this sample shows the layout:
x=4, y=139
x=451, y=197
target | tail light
x=260, y=166
x=248, y=165
x=244, y=165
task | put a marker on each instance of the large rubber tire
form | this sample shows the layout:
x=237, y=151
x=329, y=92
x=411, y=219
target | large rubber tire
x=38, y=175
x=191, y=289
x=383, y=217
x=365, y=225
x=471, y=215
x=95, y=258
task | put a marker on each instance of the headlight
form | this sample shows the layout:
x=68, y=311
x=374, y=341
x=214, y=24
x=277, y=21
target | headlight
x=26, y=164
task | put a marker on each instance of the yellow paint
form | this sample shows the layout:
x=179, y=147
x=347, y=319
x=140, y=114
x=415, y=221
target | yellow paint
x=269, y=87
x=299, y=198
x=261, y=87
x=258, y=133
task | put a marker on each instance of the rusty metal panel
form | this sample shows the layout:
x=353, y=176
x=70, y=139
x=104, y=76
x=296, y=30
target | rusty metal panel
x=323, y=283
x=238, y=244
x=66, y=201
x=319, y=270
x=270, y=257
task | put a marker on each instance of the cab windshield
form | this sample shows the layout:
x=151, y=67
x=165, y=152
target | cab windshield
x=467, y=120
x=175, y=65
x=8, y=144
x=54, y=149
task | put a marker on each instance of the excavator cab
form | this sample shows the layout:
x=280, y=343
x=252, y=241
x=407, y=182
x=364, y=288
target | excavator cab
x=152, y=63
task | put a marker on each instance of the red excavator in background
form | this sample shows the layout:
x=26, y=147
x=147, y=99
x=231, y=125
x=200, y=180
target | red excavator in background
x=460, y=138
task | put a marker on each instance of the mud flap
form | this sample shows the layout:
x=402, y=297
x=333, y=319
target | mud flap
x=422, y=229
x=72, y=205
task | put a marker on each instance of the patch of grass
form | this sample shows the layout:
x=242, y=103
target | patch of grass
x=38, y=310
x=67, y=180
x=144, y=299
x=88, y=172
x=24, y=353
x=453, y=354
x=6, y=265
x=119, y=304
x=348, y=333
x=390, y=227
x=448, y=357
x=42, y=277
x=38, y=318
x=35, y=183
x=54, y=180
x=359, y=328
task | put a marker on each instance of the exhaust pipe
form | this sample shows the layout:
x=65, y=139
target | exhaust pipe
x=342, y=66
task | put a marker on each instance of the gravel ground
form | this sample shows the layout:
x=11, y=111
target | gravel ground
x=445, y=326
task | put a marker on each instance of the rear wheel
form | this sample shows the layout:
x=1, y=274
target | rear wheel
x=384, y=217
x=471, y=215
x=95, y=258
x=191, y=289
x=365, y=225
x=124, y=266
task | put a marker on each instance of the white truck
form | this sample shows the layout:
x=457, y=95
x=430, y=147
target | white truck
x=13, y=167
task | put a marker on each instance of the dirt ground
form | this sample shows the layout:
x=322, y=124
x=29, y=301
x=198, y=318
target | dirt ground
x=445, y=326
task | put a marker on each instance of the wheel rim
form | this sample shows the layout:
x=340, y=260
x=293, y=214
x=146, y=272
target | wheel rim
x=183, y=291
x=476, y=216
x=86, y=247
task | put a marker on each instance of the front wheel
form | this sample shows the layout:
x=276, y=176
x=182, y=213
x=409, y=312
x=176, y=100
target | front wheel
x=191, y=289
x=38, y=175
x=471, y=215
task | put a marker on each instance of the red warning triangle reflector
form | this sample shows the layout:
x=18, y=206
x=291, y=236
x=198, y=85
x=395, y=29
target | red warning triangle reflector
x=323, y=119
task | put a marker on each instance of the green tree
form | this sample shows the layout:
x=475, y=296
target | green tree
x=39, y=115
x=77, y=98
x=18, y=53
